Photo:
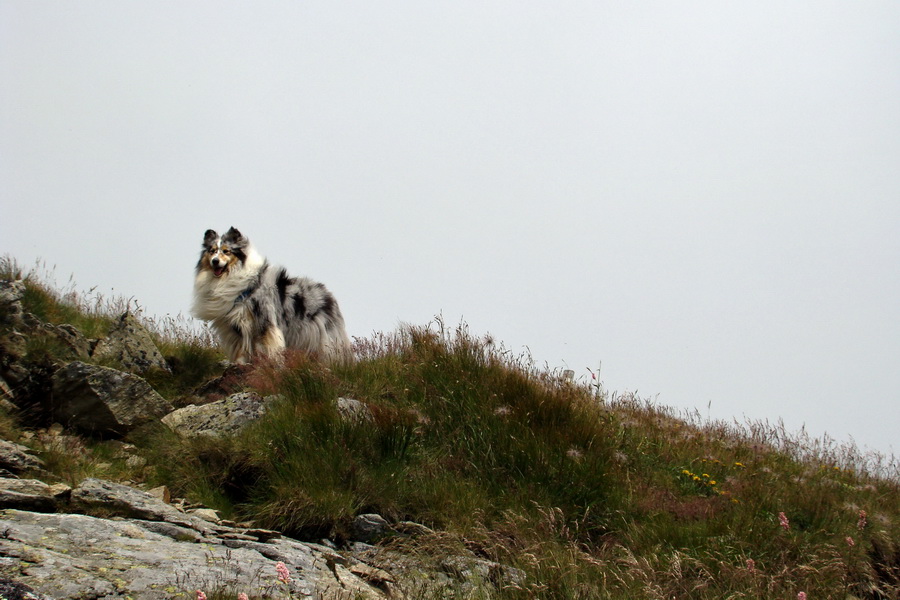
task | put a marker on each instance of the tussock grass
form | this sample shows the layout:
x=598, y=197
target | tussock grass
x=591, y=495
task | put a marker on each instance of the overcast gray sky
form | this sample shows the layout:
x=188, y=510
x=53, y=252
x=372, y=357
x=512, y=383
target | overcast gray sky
x=703, y=195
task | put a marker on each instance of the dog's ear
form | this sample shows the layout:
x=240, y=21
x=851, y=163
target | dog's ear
x=209, y=238
x=235, y=238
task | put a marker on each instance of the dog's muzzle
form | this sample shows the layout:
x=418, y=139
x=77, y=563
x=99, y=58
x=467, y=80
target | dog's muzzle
x=218, y=267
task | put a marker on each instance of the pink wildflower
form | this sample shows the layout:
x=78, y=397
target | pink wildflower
x=243, y=596
x=284, y=575
x=751, y=565
x=783, y=521
x=861, y=524
x=801, y=596
x=850, y=541
x=201, y=595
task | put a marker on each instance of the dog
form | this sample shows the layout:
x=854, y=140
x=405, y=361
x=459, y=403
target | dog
x=257, y=309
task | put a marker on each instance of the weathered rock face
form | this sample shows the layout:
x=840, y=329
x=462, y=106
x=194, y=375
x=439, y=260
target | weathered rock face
x=79, y=556
x=369, y=527
x=151, y=551
x=30, y=494
x=99, y=400
x=126, y=501
x=68, y=336
x=148, y=549
x=11, y=294
x=354, y=411
x=12, y=341
x=16, y=458
x=131, y=346
x=219, y=418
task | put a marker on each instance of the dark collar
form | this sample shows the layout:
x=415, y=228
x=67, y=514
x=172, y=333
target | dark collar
x=244, y=295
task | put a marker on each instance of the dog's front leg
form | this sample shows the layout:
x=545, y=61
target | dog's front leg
x=271, y=342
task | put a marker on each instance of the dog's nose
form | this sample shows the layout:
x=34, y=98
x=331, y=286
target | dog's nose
x=215, y=262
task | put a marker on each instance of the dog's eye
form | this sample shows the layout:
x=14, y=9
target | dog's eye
x=226, y=251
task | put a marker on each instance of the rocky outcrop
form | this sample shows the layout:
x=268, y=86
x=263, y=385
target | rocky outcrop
x=13, y=342
x=80, y=556
x=25, y=379
x=107, y=540
x=16, y=458
x=102, y=401
x=219, y=418
x=74, y=342
x=129, y=344
x=132, y=544
x=122, y=500
x=146, y=549
x=31, y=494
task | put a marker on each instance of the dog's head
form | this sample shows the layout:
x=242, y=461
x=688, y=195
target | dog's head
x=221, y=254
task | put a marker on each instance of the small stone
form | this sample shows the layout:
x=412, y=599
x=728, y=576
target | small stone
x=162, y=493
x=207, y=514
x=354, y=411
x=263, y=535
x=369, y=527
x=241, y=537
x=411, y=528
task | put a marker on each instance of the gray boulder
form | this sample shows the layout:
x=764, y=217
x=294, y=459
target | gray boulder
x=99, y=400
x=130, y=345
x=217, y=419
x=354, y=411
x=370, y=527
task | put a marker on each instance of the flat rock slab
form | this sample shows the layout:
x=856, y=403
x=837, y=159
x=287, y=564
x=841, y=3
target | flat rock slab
x=78, y=556
x=216, y=419
x=30, y=494
x=125, y=501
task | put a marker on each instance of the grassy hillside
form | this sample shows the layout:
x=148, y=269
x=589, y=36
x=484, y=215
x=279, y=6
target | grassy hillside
x=592, y=496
